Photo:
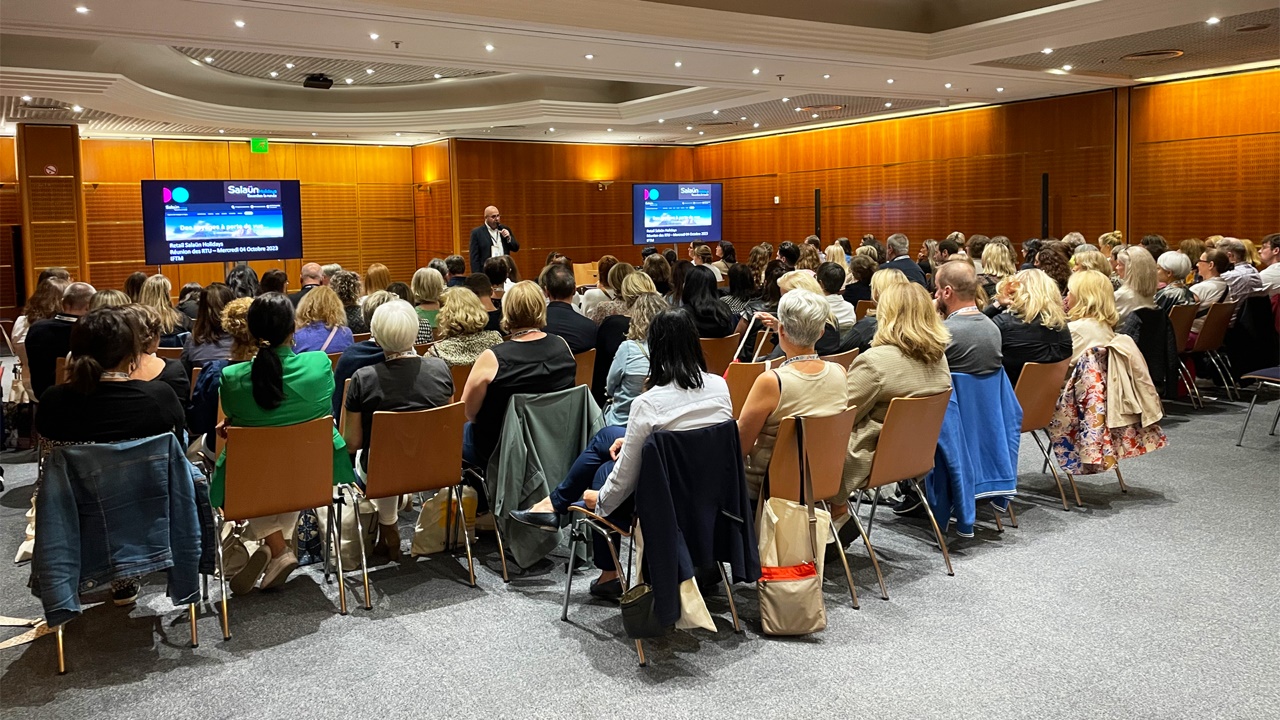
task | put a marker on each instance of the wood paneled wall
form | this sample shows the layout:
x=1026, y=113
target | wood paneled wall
x=550, y=195
x=976, y=171
x=1205, y=157
x=435, y=232
x=10, y=218
x=357, y=202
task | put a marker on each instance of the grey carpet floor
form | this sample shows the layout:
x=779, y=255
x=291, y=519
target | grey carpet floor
x=1156, y=604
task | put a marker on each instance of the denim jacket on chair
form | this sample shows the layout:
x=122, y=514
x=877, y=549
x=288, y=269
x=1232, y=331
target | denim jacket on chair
x=108, y=512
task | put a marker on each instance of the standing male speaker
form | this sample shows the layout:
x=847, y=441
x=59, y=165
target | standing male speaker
x=491, y=240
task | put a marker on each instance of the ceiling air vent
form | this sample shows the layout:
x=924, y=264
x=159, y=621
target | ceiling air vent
x=1153, y=55
x=1253, y=27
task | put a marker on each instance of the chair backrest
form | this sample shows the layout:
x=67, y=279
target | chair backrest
x=820, y=434
x=1214, y=329
x=60, y=370
x=415, y=451
x=342, y=409
x=421, y=348
x=843, y=359
x=908, y=438
x=170, y=353
x=1038, y=390
x=273, y=470
x=740, y=377
x=361, y=337
x=863, y=306
x=1182, y=317
x=585, y=274
x=586, y=361
x=719, y=352
x=333, y=360
x=195, y=377
x=460, y=373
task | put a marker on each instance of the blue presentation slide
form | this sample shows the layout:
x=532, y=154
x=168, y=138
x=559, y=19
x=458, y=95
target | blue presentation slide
x=675, y=213
x=222, y=221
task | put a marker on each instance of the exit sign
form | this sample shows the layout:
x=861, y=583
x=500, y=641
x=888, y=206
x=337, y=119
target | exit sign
x=258, y=145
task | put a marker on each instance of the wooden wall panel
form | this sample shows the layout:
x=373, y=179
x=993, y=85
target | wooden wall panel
x=1205, y=157
x=112, y=191
x=434, y=198
x=53, y=232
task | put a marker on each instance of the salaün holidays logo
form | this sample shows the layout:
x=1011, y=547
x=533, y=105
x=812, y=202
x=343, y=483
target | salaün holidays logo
x=649, y=194
x=178, y=195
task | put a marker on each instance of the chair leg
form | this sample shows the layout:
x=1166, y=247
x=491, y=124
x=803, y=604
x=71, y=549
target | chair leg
x=1192, y=394
x=337, y=551
x=640, y=653
x=871, y=519
x=364, y=563
x=326, y=545
x=497, y=531
x=204, y=586
x=999, y=525
x=844, y=559
x=466, y=537
x=574, y=534
x=1222, y=373
x=1231, y=372
x=728, y=592
x=1054, y=468
x=942, y=542
x=1013, y=519
x=1274, y=418
x=1248, y=414
x=222, y=581
x=1120, y=477
x=195, y=636
x=866, y=540
x=62, y=658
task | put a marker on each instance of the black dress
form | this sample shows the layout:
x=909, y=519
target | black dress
x=1022, y=342
x=535, y=366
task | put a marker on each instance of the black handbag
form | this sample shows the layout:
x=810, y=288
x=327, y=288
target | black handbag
x=638, y=619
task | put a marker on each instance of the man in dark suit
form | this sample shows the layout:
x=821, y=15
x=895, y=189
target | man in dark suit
x=897, y=248
x=562, y=319
x=491, y=240
x=312, y=276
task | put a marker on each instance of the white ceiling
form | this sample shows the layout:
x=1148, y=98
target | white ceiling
x=137, y=67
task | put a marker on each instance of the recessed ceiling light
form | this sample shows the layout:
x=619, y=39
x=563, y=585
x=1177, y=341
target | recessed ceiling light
x=349, y=81
x=608, y=129
x=744, y=117
x=755, y=71
x=195, y=61
x=82, y=10
x=688, y=127
x=814, y=116
x=1210, y=21
x=209, y=59
x=221, y=132
x=289, y=65
x=488, y=48
x=786, y=99
x=314, y=134
x=589, y=56
x=889, y=104
x=660, y=121
x=275, y=74
x=374, y=36
x=368, y=71
x=947, y=86
x=701, y=133
x=26, y=98
x=678, y=63
x=397, y=134
x=551, y=129
x=999, y=89
x=715, y=112
x=826, y=77
x=799, y=109
x=1047, y=51
x=438, y=76
x=755, y=125
x=1066, y=67
x=76, y=108
x=239, y=23
x=890, y=81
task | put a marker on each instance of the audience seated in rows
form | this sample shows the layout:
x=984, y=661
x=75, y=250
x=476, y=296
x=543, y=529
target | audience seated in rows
x=681, y=396
x=402, y=382
x=278, y=387
x=174, y=326
x=561, y=317
x=321, y=322
x=1033, y=326
x=462, y=333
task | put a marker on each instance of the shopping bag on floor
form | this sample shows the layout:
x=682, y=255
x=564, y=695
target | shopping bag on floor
x=790, y=585
x=429, y=532
x=368, y=521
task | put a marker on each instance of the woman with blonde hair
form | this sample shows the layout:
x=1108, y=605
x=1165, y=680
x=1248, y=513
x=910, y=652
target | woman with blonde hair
x=321, y=323
x=868, y=251
x=619, y=274
x=461, y=335
x=1091, y=311
x=1033, y=326
x=235, y=321
x=109, y=298
x=1137, y=272
x=1109, y=240
x=907, y=358
x=376, y=278
x=1091, y=260
x=173, y=324
x=865, y=329
x=630, y=367
x=604, y=290
x=1251, y=253
x=997, y=264
x=428, y=284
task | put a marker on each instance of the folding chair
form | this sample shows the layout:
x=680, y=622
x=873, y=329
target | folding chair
x=586, y=361
x=1212, y=334
x=170, y=353
x=802, y=448
x=844, y=359
x=419, y=451
x=1038, y=389
x=256, y=486
x=421, y=348
x=863, y=307
x=585, y=274
x=740, y=377
x=333, y=359
x=1269, y=377
x=361, y=337
x=1182, y=317
x=460, y=374
x=904, y=451
x=719, y=352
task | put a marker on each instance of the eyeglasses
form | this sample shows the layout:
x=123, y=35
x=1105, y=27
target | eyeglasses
x=1202, y=260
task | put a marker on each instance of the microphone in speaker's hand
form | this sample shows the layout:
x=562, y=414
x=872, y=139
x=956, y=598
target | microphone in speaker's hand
x=503, y=231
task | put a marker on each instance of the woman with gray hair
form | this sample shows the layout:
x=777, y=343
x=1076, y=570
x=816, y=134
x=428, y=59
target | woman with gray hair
x=1172, y=269
x=802, y=385
x=1137, y=272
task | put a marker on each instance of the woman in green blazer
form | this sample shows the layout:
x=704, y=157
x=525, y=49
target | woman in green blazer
x=278, y=387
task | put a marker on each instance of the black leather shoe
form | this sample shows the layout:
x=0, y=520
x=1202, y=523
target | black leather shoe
x=608, y=590
x=549, y=521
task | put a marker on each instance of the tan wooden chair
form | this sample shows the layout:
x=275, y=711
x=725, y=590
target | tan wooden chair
x=740, y=377
x=719, y=352
x=460, y=374
x=60, y=370
x=422, y=348
x=1182, y=317
x=586, y=367
x=361, y=337
x=274, y=470
x=905, y=450
x=844, y=359
x=169, y=353
x=1039, y=387
x=863, y=307
x=585, y=274
x=333, y=360
x=419, y=451
x=195, y=375
x=803, y=446
x=1212, y=334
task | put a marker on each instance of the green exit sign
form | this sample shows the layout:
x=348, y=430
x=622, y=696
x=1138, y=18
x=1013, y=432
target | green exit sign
x=258, y=145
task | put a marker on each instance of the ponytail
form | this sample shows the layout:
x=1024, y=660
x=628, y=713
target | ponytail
x=267, y=374
x=270, y=320
x=83, y=373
